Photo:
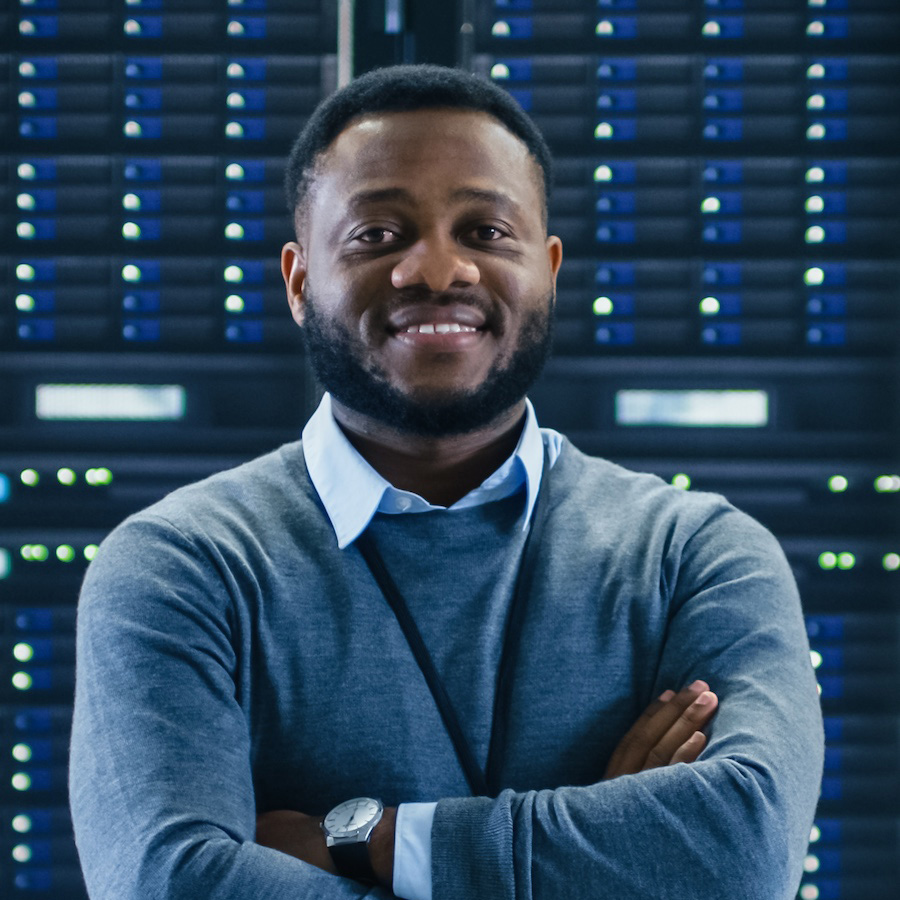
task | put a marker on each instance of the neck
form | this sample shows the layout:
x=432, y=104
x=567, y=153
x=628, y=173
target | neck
x=442, y=470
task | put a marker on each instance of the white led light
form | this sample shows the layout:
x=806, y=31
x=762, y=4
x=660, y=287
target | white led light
x=25, y=272
x=814, y=276
x=5, y=563
x=811, y=863
x=814, y=235
x=890, y=562
x=24, y=303
x=815, y=658
x=21, y=853
x=21, y=681
x=23, y=652
x=131, y=201
x=27, y=27
x=234, y=130
x=605, y=28
x=815, y=29
x=815, y=132
x=131, y=273
x=26, y=171
x=131, y=231
x=132, y=26
x=25, y=230
x=815, y=174
x=809, y=892
x=235, y=100
x=814, y=204
x=711, y=29
x=25, y=201
x=603, y=131
x=21, y=753
x=235, y=28
x=710, y=205
x=21, y=823
x=234, y=231
x=27, y=99
x=710, y=306
x=815, y=101
x=499, y=71
x=132, y=129
x=27, y=69
x=235, y=70
x=20, y=781
x=233, y=274
x=887, y=484
x=816, y=70
x=603, y=306
x=234, y=172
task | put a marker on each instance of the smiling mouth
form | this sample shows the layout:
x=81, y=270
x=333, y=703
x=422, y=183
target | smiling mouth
x=438, y=328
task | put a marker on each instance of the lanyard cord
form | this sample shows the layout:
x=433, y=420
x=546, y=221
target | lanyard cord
x=479, y=784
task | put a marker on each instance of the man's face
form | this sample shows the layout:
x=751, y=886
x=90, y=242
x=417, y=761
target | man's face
x=423, y=276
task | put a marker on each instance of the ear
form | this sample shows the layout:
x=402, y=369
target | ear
x=554, y=256
x=293, y=270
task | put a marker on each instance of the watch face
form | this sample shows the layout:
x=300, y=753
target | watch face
x=351, y=815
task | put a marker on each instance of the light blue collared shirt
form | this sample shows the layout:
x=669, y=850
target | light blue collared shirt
x=352, y=492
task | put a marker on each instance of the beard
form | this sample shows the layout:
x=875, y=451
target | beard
x=341, y=364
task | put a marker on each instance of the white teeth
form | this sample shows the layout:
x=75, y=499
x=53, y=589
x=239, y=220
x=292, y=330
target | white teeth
x=441, y=328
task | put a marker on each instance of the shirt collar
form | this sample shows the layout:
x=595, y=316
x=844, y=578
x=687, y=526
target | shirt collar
x=352, y=491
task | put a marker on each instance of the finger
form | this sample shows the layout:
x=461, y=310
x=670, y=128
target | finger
x=693, y=719
x=650, y=728
x=691, y=749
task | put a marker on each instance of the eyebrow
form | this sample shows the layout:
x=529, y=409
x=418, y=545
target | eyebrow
x=396, y=194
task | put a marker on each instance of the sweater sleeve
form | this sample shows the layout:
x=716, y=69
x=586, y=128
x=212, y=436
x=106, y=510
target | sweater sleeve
x=161, y=789
x=735, y=823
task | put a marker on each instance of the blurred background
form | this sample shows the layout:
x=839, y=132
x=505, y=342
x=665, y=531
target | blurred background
x=728, y=193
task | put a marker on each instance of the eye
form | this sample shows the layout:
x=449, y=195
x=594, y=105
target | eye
x=488, y=233
x=377, y=236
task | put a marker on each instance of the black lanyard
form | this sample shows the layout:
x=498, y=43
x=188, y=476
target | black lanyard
x=480, y=783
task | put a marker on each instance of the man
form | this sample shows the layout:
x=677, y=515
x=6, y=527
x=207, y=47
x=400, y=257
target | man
x=432, y=603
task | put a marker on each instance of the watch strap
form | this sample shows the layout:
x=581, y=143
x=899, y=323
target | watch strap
x=352, y=861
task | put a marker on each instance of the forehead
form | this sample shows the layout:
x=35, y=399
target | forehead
x=430, y=148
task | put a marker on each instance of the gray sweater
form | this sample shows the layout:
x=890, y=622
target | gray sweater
x=231, y=659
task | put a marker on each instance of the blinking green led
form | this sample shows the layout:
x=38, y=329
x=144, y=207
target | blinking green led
x=846, y=561
x=234, y=172
x=681, y=481
x=710, y=306
x=66, y=476
x=837, y=484
x=65, y=553
x=815, y=658
x=21, y=681
x=21, y=853
x=234, y=274
x=21, y=753
x=90, y=551
x=890, y=562
x=603, y=306
x=827, y=560
x=499, y=71
x=234, y=303
x=23, y=652
x=29, y=477
x=603, y=173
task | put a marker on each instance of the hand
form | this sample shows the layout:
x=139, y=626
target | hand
x=301, y=836
x=667, y=732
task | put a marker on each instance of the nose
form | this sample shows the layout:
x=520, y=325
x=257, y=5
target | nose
x=435, y=263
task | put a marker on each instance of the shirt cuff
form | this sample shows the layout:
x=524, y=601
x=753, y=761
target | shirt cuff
x=412, y=851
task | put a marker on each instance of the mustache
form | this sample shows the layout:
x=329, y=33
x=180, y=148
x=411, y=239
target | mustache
x=413, y=296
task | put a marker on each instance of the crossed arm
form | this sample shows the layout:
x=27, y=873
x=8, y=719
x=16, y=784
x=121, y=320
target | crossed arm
x=668, y=732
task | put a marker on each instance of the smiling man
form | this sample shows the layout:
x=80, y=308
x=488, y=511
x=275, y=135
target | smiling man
x=432, y=650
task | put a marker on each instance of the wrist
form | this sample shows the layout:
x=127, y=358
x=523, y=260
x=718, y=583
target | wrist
x=381, y=847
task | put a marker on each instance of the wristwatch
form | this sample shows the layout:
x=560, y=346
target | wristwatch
x=348, y=828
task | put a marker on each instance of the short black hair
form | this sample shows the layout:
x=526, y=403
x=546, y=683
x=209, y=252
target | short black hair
x=401, y=89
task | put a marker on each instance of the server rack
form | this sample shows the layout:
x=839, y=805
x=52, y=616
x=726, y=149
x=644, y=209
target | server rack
x=727, y=190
